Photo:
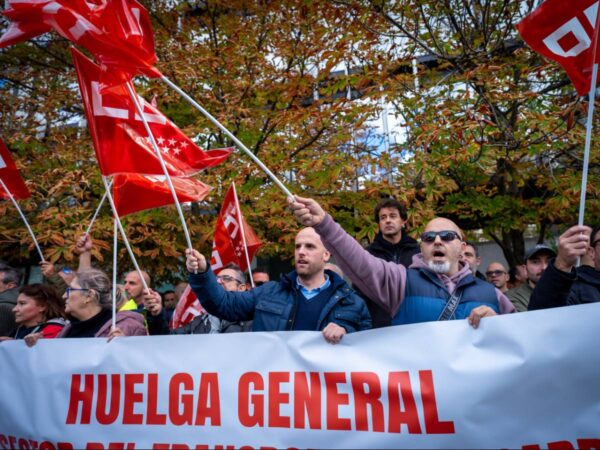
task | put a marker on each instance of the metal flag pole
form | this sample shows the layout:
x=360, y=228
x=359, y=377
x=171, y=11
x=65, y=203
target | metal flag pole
x=114, y=274
x=241, y=222
x=123, y=235
x=14, y=202
x=140, y=111
x=97, y=210
x=229, y=134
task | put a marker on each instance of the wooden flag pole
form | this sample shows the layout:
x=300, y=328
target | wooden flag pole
x=195, y=104
x=14, y=202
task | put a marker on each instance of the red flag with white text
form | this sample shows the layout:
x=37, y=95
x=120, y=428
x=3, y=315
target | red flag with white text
x=133, y=192
x=228, y=245
x=10, y=176
x=120, y=139
x=188, y=307
x=117, y=32
x=564, y=32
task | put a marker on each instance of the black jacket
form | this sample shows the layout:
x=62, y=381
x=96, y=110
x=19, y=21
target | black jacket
x=557, y=288
x=400, y=253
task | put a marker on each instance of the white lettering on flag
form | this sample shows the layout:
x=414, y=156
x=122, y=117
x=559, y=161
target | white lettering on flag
x=100, y=109
x=230, y=220
x=574, y=27
x=218, y=263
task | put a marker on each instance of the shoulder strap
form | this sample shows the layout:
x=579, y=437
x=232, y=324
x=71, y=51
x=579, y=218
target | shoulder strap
x=451, y=306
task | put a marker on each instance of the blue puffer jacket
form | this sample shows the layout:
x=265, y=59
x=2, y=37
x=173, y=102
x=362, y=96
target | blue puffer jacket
x=426, y=297
x=272, y=306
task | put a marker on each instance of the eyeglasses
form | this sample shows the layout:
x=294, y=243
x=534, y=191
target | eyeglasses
x=70, y=289
x=445, y=235
x=228, y=279
x=495, y=273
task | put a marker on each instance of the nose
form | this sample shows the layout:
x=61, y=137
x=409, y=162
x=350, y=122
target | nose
x=544, y=265
x=438, y=239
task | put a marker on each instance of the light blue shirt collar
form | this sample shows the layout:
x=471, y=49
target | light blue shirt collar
x=310, y=293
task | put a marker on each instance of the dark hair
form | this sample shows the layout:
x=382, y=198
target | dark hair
x=472, y=244
x=594, y=234
x=238, y=270
x=47, y=296
x=10, y=275
x=390, y=202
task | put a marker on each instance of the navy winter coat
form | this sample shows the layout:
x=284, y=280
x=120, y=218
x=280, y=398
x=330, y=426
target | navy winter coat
x=272, y=306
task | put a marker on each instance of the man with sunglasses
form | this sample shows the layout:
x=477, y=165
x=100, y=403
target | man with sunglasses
x=260, y=276
x=497, y=274
x=438, y=285
x=309, y=298
x=562, y=283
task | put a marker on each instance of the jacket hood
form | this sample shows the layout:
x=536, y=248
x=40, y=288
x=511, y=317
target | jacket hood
x=124, y=315
x=589, y=275
x=405, y=241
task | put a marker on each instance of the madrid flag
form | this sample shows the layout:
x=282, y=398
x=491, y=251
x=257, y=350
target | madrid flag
x=120, y=139
x=228, y=246
x=564, y=32
x=10, y=176
x=117, y=32
x=133, y=192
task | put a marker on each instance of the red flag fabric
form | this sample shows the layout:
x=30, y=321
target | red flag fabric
x=228, y=246
x=564, y=32
x=120, y=139
x=117, y=32
x=187, y=308
x=133, y=192
x=11, y=177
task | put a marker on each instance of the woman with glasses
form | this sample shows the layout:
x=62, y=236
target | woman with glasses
x=39, y=310
x=88, y=303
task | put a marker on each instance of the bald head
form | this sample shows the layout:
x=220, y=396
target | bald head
x=134, y=286
x=442, y=246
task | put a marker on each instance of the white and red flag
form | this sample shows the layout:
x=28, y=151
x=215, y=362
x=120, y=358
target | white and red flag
x=565, y=32
x=133, y=192
x=10, y=176
x=233, y=237
x=117, y=32
x=121, y=142
x=188, y=307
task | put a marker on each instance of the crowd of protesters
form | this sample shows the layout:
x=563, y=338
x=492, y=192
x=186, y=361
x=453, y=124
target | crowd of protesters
x=395, y=280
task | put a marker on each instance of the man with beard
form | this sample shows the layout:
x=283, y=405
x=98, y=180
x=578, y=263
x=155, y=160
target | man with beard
x=308, y=298
x=437, y=286
x=390, y=244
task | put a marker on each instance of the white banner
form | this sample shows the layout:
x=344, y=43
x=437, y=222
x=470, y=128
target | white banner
x=527, y=381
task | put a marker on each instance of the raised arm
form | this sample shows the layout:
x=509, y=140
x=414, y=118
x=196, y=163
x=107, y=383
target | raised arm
x=380, y=280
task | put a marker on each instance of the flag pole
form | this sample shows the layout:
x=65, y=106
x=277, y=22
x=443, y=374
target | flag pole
x=97, y=210
x=123, y=235
x=114, y=274
x=195, y=104
x=140, y=111
x=14, y=202
x=589, y=122
x=241, y=222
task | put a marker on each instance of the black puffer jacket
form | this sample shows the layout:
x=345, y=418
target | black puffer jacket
x=558, y=288
x=400, y=253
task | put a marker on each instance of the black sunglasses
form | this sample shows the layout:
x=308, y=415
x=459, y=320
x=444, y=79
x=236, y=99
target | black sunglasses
x=445, y=235
x=495, y=273
x=259, y=283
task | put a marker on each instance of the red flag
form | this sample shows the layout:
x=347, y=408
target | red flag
x=120, y=139
x=564, y=32
x=187, y=308
x=133, y=192
x=118, y=32
x=228, y=246
x=11, y=177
